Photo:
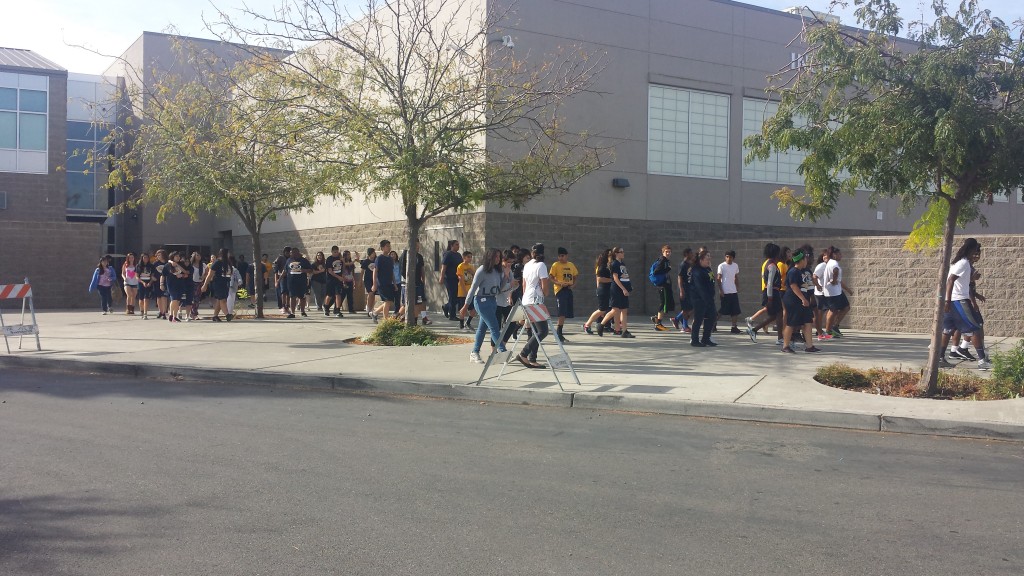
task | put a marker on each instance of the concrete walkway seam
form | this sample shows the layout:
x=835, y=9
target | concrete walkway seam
x=532, y=397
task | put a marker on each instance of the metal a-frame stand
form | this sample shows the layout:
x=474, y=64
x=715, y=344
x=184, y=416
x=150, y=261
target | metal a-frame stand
x=532, y=315
x=23, y=292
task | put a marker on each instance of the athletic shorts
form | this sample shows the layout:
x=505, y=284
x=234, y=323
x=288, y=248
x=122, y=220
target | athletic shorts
x=297, y=285
x=666, y=302
x=387, y=293
x=961, y=317
x=730, y=305
x=220, y=290
x=564, y=300
x=333, y=288
x=685, y=304
x=421, y=294
x=796, y=313
x=144, y=292
x=175, y=292
x=604, y=297
x=774, y=307
x=837, y=303
x=619, y=300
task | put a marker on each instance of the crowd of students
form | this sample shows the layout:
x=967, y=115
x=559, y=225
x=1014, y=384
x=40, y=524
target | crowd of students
x=803, y=295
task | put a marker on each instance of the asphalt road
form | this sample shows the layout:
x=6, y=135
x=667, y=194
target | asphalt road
x=102, y=475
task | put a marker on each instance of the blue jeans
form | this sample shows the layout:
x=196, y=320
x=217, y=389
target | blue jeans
x=487, y=308
x=106, y=302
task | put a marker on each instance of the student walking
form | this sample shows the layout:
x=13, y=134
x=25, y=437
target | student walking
x=281, y=281
x=103, y=280
x=218, y=277
x=368, y=265
x=682, y=320
x=728, y=287
x=563, y=275
x=960, y=313
x=465, y=272
x=621, y=289
x=771, y=296
x=835, y=292
x=603, y=278
x=146, y=290
x=318, y=281
x=298, y=268
x=130, y=274
x=448, y=277
x=702, y=293
x=660, y=276
x=177, y=282
x=198, y=272
x=818, y=276
x=484, y=290
x=535, y=287
x=797, y=300
x=160, y=284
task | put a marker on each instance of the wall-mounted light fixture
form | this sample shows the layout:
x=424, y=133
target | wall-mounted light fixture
x=620, y=182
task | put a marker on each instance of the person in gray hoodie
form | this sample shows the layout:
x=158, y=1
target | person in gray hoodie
x=487, y=285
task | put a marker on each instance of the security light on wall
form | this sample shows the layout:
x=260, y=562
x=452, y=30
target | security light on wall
x=506, y=42
x=620, y=182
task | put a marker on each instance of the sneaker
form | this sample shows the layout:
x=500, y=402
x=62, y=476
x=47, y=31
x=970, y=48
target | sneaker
x=104, y=313
x=984, y=364
x=660, y=328
x=835, y=333
x=654, y=320
x=462, y=324
x=304, y=315
x=327, y=314
x=812, y=349
x=230, y=317
x=697, y=344
x=588, y=329
x=735, y=330
x=685, y=330
x=475, y=358
x=561, y=338
x=710, y=343
x=339, y=315
x=779, y=342
x=788, y=350
x=626, y=334
x=289, y=316
x=750, y=323
x=427, y=321
x=943, y=363
x=824, y=337
x=675, y=324
x=600, y=328
x=751, y=333
x=961, y=353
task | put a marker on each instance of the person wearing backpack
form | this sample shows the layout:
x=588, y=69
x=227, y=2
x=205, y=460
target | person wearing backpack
x=660, y=275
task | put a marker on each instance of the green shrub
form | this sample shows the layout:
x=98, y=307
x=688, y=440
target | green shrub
x=842, y=376
x=961, y=384
x=1009, y=366
x=392, y=332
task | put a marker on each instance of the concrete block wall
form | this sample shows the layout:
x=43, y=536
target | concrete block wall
x=57, y=257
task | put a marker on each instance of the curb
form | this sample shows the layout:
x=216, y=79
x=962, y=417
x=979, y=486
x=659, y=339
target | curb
x=530, y=397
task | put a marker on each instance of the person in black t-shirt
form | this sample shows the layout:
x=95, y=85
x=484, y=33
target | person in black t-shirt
x=159, y=283
x=420, y=293
x=797, y=300
x=603, y=277
x=384, y=282
x=318, y=280
x=449, y=278
x=296, y=269
x=218, y=282
x=281, y=280
x=702, y=294
x=682, y=320
x=335, y=272
x=368, y=264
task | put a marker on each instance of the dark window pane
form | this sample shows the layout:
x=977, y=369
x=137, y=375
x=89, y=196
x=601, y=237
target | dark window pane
x=33, y=132
x=80, y=131
x=8, y=129
x=33, y=101
x=8, y=98
x=78, y=156
x=81, y=191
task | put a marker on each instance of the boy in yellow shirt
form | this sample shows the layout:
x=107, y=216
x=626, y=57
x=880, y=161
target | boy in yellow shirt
x=465, y=272
x=563, y=275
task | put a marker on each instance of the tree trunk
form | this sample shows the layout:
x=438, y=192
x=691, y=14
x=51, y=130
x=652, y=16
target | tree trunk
x=414, y=224
x=930, y=377
x=257, y=280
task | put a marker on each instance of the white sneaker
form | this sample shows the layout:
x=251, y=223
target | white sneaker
x=984, y=364
x=475, y=357
x=779, y=342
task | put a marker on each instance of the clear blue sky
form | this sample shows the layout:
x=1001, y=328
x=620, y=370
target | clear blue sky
x=48, y=26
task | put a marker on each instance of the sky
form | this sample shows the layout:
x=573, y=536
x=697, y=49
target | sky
x=55, y=28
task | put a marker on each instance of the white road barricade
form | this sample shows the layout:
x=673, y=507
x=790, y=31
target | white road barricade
x=24, y=293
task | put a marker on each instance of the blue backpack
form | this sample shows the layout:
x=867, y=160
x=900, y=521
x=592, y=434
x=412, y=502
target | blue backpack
x=656, y=275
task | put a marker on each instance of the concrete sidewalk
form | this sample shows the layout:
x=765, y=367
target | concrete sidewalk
x=656, y=372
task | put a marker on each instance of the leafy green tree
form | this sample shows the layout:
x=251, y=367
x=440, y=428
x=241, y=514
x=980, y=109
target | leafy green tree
x=219, y=143
x=429, y=103
x=936, y=118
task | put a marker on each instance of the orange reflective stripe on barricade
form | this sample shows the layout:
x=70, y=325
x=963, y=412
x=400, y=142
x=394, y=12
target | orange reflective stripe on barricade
x=8, y=291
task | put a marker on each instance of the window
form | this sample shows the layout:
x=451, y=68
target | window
x=780, y=167
x=687, y=133
x=24, y=103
